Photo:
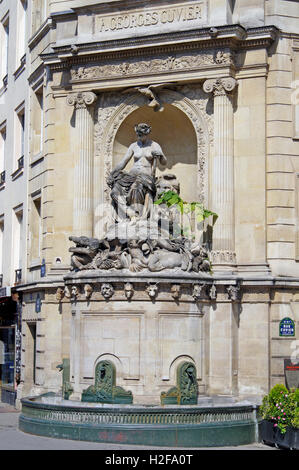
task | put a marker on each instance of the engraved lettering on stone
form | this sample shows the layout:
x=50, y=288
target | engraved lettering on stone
x=158, y=17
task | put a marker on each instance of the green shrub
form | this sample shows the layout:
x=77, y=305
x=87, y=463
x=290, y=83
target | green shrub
x=281, y=406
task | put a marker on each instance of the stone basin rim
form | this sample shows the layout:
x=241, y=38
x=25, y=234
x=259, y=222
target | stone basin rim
x=41, y=402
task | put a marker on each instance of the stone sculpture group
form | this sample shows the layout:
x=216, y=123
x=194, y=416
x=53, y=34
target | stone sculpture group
x=140, y=237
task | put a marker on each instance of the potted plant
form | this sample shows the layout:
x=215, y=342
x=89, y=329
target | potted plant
x=280, y=412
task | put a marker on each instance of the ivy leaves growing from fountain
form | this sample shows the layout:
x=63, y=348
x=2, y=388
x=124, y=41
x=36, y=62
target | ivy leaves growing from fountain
x=171, y=198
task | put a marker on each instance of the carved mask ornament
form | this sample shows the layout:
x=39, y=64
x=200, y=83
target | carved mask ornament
x=152, y=290
x=107, y=290
x=88, y=291
x=129, y=290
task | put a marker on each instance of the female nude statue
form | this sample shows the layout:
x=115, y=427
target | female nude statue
x=132, y=193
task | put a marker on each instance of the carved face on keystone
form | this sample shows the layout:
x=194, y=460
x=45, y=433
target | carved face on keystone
x=107, y=290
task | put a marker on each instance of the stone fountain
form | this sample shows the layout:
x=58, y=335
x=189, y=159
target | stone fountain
x=138, y=327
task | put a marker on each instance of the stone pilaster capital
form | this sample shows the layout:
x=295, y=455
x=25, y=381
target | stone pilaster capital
x=220, y=86
x=81, y=99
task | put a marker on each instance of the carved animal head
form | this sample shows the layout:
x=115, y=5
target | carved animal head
x=152, y=290
x=92, y=243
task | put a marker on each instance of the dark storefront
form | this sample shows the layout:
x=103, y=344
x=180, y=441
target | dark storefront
x=9, y=345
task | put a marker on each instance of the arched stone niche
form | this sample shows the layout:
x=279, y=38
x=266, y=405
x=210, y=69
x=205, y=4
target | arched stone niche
x=173, y=130
x=183, y=129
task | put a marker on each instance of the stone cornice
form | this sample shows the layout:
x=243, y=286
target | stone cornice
x=40, y=33
x=234, y=37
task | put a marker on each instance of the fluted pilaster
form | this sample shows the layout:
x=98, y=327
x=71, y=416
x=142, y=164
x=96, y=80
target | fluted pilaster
x=83, y=169
x=222, y=169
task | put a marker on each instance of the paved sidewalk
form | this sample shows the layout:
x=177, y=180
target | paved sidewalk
x=13, y=439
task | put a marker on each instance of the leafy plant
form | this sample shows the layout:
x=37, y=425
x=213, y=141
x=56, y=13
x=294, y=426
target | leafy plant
x=171, y=198
x=281, y=406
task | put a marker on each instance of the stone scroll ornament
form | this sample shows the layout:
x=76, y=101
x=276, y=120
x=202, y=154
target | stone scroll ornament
x=146, y=233
x=220, y=86
x=186, y=390
x=81, y=100
x=104, y=390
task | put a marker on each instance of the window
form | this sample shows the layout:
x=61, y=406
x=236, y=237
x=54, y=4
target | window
x=37, y=118
x=4, y=35
x=36, y=228
x=17, y=227
x=21, y=31
x=2, y=152
x=19, y=137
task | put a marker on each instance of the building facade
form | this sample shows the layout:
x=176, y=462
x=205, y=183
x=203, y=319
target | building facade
x=227, y=74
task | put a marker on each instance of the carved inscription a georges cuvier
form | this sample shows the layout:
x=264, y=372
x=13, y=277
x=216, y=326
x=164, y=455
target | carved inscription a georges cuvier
x=178, y=15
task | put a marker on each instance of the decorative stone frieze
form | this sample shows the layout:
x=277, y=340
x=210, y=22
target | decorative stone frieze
x=147, y=65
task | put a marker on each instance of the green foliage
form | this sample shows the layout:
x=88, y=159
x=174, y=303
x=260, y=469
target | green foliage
x=295, y=418
x=171, y=198
x=281, y=406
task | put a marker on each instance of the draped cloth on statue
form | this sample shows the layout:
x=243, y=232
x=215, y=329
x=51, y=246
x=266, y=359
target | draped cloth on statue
x=130, y=189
